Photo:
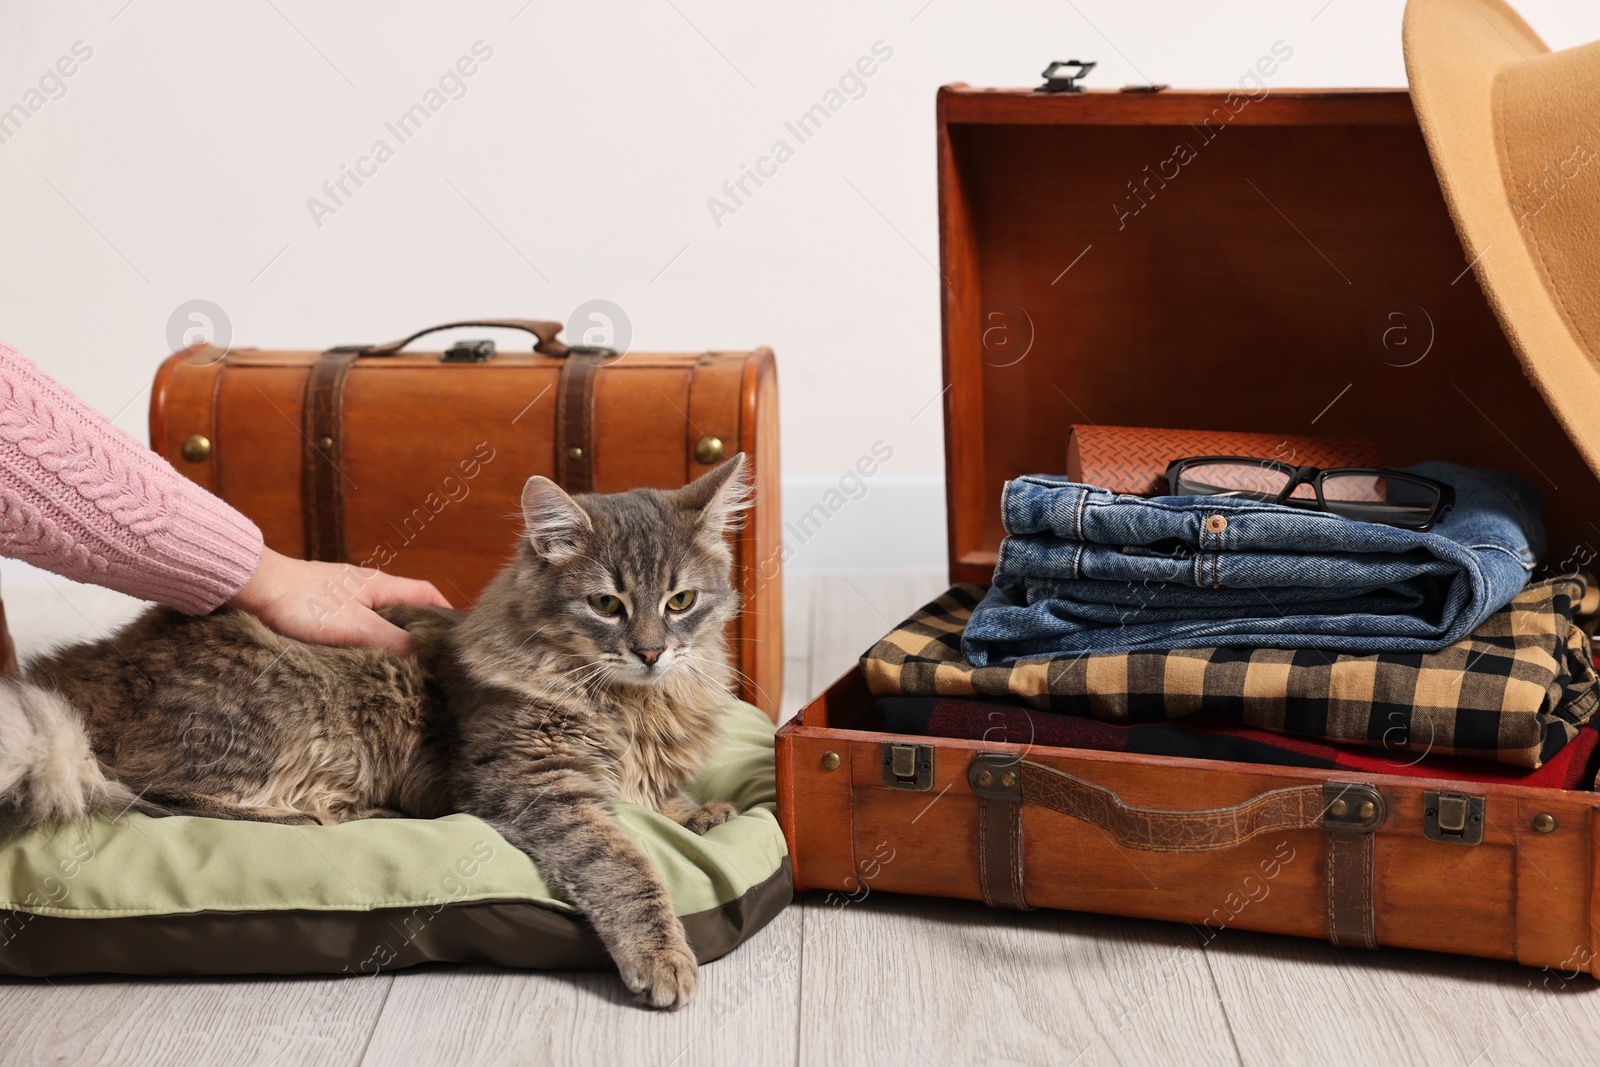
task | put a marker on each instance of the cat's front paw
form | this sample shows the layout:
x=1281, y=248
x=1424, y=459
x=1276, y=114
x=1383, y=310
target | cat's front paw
x=713, y=813
x=661, y=971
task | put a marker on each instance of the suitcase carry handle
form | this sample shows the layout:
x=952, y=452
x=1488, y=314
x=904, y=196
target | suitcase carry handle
x=1330, y=806
x=1348, y=813
x=544, y=330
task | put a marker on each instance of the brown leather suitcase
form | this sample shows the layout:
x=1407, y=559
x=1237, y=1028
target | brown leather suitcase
x=1254, y=285
x=413, y=462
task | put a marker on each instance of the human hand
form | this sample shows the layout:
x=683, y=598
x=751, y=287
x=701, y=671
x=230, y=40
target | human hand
x=331, y=603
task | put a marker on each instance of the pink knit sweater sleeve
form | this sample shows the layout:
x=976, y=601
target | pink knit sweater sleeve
x=83, y=499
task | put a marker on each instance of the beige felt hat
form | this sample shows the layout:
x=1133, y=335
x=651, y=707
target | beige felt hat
x=1514, y=131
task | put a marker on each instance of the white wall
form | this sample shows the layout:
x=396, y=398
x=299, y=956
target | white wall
x=578, y=165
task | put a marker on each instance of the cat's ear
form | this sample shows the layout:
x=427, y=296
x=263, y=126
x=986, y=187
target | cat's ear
x=556, y=526
x=720, y=495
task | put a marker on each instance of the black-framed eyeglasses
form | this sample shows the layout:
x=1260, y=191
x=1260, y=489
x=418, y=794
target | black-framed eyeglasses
x=1371, y=494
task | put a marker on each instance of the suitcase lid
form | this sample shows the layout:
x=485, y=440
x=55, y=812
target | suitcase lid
x=1215, y=260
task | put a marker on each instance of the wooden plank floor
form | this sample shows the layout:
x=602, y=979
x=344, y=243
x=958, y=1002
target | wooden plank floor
x=886, y=980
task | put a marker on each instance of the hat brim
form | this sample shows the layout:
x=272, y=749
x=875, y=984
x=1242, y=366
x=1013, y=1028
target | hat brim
x=1455, y=50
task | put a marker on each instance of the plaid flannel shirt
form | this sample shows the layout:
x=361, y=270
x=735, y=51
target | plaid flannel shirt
x=1514, y=691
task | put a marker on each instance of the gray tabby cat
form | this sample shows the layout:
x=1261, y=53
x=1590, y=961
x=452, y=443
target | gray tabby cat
x=593, y=668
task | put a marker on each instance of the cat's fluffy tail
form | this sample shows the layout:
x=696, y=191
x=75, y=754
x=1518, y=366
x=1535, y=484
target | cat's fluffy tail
x=47, y=769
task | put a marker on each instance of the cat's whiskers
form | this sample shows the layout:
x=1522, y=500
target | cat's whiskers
x=582, y=684
x=738, y=675
x=709, y=679
x=530, y=637
x=549, y=705
x=554, y=695
x=701, y=674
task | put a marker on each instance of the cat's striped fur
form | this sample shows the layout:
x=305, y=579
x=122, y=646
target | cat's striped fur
x=533, y=712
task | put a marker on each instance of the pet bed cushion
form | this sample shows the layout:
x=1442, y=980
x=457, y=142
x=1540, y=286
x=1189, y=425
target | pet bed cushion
x=181, y=895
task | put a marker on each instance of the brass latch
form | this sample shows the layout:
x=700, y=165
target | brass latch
x=1456, y=817
x=907, y=766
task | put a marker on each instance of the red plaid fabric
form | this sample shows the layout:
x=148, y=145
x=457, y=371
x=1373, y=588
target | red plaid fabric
x=1208, y=738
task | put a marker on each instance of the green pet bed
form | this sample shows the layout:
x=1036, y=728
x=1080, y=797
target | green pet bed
x=184, y=895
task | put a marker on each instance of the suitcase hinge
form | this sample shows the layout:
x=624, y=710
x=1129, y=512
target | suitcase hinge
x=907, y=766
x=1456, y=817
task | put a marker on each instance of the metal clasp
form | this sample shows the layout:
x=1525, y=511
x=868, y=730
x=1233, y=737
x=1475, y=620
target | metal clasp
x=469, y=352
x=1456, y=817
x=1056, y=80
x=907, y=766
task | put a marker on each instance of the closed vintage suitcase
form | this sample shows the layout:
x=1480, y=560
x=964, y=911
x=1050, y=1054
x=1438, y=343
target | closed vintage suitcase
x=1207, y=261
x=412, y=462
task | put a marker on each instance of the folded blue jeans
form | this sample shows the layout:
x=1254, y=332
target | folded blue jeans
x=1086, y=570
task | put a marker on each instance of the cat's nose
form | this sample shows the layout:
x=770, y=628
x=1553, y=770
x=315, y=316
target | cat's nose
x=649, y=655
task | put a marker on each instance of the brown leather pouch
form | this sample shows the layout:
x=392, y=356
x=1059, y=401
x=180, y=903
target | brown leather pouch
x=1134, y=459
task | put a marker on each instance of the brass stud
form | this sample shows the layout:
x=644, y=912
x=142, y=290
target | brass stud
x=1366, y=810
x=1544, y=822
x=1009, y=779
x=830, y=761
x=325, y=443
x=574, y=454
x=1339, y=809
x=197, y=448
x=708, y=450
x=984, y=778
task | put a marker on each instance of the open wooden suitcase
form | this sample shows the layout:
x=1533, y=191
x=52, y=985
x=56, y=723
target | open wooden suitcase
x=413, y=461
x=1206, y=260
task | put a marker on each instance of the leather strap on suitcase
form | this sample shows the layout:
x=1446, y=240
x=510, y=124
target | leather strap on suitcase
x=575, y=424
x=322, y=481
x=1348, y=814
x=320, y=476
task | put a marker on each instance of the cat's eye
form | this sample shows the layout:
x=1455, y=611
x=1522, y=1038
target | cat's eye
x=682, y=600
x=605, y=603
